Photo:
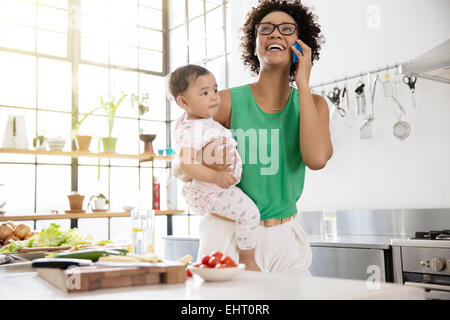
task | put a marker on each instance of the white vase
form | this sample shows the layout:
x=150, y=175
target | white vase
x=99, y=204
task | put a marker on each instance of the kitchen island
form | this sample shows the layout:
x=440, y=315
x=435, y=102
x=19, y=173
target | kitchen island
x=26, y=284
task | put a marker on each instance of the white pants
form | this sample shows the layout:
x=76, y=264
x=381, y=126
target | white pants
x=282, y=249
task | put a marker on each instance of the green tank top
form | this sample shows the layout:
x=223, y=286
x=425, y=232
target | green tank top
x=273, y=172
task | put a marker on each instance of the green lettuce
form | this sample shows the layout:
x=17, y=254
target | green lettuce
x=52, y=236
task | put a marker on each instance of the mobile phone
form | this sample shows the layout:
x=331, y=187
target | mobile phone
x=294, y=56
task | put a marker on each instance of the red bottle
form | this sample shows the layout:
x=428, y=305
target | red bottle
x=156, y=194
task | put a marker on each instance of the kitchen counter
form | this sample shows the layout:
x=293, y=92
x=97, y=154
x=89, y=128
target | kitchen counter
x=349, y=241
x=245, y=286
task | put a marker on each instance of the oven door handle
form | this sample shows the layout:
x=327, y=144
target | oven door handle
x=428, y=286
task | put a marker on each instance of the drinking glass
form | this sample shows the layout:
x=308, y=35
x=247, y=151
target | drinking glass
x=329, y=222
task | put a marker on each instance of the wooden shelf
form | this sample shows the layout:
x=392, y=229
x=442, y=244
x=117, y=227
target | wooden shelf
x=87, y=215
x=76, y=154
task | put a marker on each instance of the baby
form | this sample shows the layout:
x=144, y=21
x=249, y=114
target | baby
x=206, y=190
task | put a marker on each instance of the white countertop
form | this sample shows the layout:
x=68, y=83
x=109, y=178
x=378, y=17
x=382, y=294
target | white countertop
x=245, y=286
x=349, y=241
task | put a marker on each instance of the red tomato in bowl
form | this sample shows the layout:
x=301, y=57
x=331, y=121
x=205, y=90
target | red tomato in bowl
x=213, y=262
x=217, y=254
x=205, y=260
x=220, y=266
x=202, y=266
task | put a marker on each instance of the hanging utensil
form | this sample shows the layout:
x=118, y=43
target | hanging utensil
x=401, y=129
x=410, y=81
x=367, y=130
x=349, y=119
x=360, y=100
x=335, y=97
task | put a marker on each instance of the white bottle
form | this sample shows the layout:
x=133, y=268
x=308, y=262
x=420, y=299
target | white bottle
x=172, y=193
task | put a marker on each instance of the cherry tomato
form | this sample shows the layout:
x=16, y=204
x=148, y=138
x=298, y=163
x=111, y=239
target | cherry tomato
x=205, y=259
x=220, y=266
x=188, y=273
x=225, y=259
x=217, y=254
x=196, y=265
x=213, y=262
x=202, y=266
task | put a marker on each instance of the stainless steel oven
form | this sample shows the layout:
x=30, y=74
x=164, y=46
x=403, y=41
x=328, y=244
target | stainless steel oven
x=424, y=261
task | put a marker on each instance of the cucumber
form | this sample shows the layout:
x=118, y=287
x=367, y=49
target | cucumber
x=122, y=251
x=90, y=254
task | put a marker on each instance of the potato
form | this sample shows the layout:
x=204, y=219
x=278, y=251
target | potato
x=21, y=231
x=6, y=231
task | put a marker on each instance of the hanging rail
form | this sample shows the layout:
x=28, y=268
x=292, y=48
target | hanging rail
x=359, y=75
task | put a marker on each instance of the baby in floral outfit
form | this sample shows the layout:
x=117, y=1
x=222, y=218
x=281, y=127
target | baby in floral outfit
x=209, y=191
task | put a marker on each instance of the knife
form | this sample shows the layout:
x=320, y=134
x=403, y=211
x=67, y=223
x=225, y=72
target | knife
x=60, y=263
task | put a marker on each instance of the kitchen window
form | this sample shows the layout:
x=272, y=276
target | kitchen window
x=112, y=47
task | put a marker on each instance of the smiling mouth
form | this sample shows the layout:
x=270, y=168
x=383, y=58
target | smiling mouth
x=275, y=47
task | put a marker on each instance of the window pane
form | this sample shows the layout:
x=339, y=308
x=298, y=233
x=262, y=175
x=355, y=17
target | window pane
x=51, y=192
x=214, y=19
x=127, y=132
x=123, y=34
x=124, y=82
x=54, y=84
x=95, y=26
x=228, y=28
x=124, y=185
x=94, y=50
x=16, y=37
x=123, y=56
x=150, y=18
x=121, y=231
x=94, y=7
x=210, y=4
x=156, y=88
x=178, y=47
x=52, y=19
x=195, y=8
x=92, y=83
x=17, y=80
x=150, y=39
x=52, y=43
x=177, y=12
x=123, y=12
x=88, y=183
x=150, y=60
x=19, y=188
x=219, y=70
x=157, y=4
x=64, y=4
x=16, y=11
x=196, y=40
x=215, y=43
x=97, y=228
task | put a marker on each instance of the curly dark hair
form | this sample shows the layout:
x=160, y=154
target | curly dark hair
x=308, y=29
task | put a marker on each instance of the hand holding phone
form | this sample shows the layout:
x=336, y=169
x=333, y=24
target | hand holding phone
x=294, y=56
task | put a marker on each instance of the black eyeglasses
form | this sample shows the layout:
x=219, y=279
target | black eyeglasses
x=285, y=28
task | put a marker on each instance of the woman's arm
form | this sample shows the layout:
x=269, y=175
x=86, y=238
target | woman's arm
x=315, y=141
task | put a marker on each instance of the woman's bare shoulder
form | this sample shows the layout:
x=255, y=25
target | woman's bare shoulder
x=223, y=116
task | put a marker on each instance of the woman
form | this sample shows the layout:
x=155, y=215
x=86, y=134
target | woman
x=270, y=114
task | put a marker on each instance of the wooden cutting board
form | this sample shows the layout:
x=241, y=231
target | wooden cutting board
x=89, y=278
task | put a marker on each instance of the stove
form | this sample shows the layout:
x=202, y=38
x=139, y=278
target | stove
x=424, y=261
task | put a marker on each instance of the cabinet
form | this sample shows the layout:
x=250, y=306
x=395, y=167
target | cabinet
x=143, y=157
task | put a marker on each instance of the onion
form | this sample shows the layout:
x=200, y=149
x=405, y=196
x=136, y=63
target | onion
x=6, y=231
x=12, y=224
x=21, y=231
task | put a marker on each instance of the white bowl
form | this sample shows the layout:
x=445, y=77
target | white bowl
x=213, y=274
x=56, y=144
x=128, y=208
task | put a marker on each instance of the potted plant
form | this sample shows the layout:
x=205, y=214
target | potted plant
x=110, y=107
x=40, y=142
x=76, y=201
x=140, y=102
x=99, y=201
x=83, y=141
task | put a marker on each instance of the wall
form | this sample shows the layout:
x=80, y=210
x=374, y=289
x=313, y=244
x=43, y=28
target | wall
x=382, y=173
